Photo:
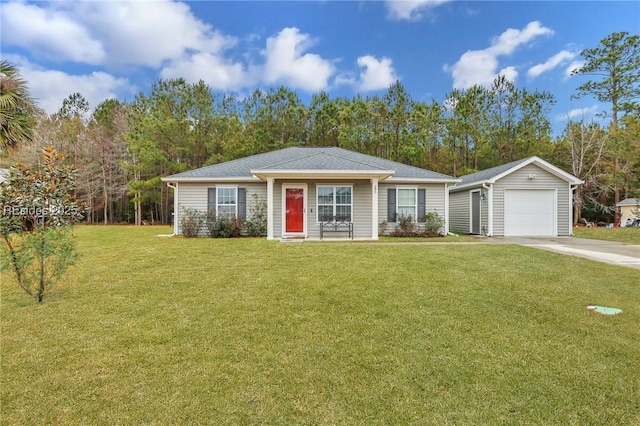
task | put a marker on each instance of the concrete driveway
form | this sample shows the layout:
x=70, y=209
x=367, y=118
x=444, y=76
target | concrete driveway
x=621, y=254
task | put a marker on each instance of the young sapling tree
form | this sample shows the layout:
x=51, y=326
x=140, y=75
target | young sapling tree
x=37, y=211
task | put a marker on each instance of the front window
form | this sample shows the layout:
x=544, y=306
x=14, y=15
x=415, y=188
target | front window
x=334, y=201
x=226, y=202
x=407, y=202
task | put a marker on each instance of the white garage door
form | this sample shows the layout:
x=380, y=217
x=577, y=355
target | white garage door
x=529, y=212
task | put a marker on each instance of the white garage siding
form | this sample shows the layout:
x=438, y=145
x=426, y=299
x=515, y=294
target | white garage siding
x=519, y=180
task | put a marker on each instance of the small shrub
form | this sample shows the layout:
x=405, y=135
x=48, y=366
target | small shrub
x=406, y=226
x=224, y=227
x=191, y=222
x=433, y=224
x=256, y=225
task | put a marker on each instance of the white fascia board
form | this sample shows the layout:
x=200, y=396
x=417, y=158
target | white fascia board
x=543, y=165
x=323, y=174
x=476, y=184
x=210, y=179
x=558, y=172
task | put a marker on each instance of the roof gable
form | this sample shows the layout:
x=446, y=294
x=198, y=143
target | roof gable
x=492, y=175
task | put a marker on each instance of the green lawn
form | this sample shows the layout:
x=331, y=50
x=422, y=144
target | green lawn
x=623, y=235
x=445, y=239
x=150, y=330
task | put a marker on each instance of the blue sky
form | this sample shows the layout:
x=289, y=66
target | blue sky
x=106, y=49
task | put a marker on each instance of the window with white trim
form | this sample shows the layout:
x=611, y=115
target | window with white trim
x=334, y=201
x=407, y=202
x=226, y=202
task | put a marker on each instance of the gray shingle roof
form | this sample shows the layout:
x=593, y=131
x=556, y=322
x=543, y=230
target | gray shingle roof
x=488, y=174
x=298, y=158
x=629, y=202
x=322, y=160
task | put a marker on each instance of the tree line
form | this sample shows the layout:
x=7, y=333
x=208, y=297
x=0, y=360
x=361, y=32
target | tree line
x=122, y=149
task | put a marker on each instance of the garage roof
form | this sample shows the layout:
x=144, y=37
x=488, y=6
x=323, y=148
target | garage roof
x=491, y=175
x=629, y=202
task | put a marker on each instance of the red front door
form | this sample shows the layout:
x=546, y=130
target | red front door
x=294, y=205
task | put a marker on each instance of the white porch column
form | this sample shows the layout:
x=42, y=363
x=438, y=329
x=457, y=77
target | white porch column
x=175, y=206
x=490, y=213
x=269, y=208
x=175, y=209
x=446, y=209
x=374, y=209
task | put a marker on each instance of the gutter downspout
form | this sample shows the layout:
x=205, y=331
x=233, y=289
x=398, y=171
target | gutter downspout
x=489, y=208
x=175, y=207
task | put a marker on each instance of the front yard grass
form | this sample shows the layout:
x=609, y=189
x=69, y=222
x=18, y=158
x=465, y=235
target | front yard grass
x=151, y=330
x=443, y=239
x=623, y=235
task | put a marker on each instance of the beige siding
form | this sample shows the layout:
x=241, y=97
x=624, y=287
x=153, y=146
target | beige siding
x=436, y=195
x=628, y=212
x=195, y=196
x=192, y=196
x=277, y=209
x=543, y=180
x=362, y=210
x=435, y=200
x=459, y=212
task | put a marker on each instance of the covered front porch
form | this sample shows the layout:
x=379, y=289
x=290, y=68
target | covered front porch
x=322, y=205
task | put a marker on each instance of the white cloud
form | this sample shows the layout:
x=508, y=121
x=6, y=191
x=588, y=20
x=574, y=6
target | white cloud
x=51, y=34
x=481, y=67
x=410, y=10
x=51, y=87
x=165, y=36
x=287, y=62
x=376, y=75
x=573, y=66
x=214, y=70
x=556, y=60
x=578, y=113
x=511, y=39
x=346, y=79
x=110, y=33
x=148, y=33
x=510, y=73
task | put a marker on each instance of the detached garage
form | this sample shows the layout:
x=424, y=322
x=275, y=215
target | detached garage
x=528, y=197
